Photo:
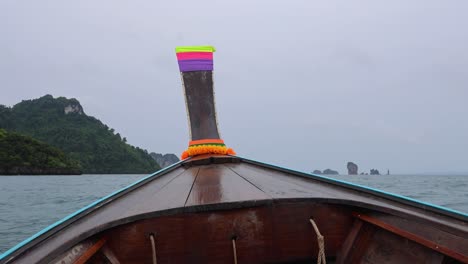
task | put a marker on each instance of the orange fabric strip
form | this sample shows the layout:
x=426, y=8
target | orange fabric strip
x=206, y=141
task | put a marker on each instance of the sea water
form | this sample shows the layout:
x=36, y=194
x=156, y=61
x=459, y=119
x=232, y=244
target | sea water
x=31, y=203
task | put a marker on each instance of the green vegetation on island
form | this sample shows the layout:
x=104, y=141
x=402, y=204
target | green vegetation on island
x=62, y=123
x=24, y=155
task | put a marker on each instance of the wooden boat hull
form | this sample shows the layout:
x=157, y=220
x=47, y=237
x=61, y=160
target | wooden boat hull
x=195, y=208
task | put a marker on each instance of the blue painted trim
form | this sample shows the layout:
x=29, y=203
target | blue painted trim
x=452, y=211
x=59, y=222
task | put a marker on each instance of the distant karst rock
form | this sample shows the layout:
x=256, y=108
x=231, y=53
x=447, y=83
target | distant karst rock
x=317, y=172
x=330, y=172
x=164, y=160
x=352, y=168
x=374, y=172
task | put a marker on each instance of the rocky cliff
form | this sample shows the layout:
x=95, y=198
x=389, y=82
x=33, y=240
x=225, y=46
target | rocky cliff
x=164, y=160
x=330, y=172
x=352, y=168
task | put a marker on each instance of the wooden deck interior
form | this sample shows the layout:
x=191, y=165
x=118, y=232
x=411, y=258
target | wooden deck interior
x=275, y=233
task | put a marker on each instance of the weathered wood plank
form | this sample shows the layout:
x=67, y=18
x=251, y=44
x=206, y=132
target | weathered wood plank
x=175, y=193
x=345, y=251
x=389, y=248
x=278, y=185
x=91, y=251
x=110, y=255
x=361, y=244
x=198, y=87
x=432, y=244
x=267, y=234
x=74, y=253
x=219, y=184
x=457, y=241
x=294, y=237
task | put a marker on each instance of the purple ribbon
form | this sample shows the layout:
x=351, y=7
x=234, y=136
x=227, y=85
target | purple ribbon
x=195, y=65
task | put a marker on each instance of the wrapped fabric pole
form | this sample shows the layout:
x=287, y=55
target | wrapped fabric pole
x=196, y=69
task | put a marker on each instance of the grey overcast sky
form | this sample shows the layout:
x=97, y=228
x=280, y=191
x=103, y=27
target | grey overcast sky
x=305, y=84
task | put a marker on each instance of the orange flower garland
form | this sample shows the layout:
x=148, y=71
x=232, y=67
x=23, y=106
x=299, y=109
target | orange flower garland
x=219, y=149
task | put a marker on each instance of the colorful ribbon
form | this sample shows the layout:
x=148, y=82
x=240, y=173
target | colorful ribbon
x=195, y=58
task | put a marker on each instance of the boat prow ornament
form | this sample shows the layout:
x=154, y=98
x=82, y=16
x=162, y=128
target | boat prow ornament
x=196, y=70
